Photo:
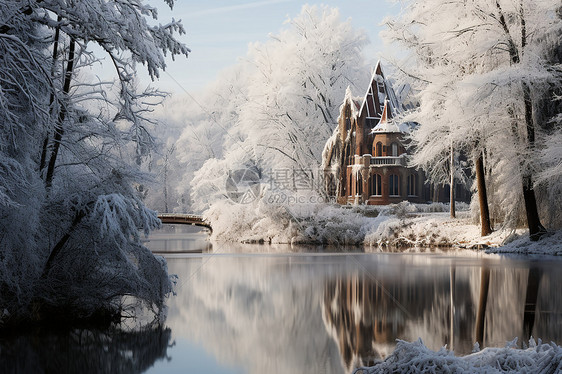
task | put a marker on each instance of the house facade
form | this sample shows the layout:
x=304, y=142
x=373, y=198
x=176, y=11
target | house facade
x=365, y=160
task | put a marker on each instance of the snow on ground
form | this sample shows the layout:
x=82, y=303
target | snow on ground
x=435, y=229
x=550, y=244
x=393, y=227
x=415, y=357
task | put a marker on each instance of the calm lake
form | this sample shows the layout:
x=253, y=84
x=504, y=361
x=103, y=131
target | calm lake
x=261, y=309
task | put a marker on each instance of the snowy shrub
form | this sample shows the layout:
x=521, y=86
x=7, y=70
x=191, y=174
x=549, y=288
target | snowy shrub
x=401, y=210
x=304, y=223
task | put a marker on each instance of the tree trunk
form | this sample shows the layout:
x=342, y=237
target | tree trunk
x=536, y=229
x=483, y=301
x=452, y=308
x=62, y=241
x=452, y=184
x=533, y=283
x=166, y=184
x=482, y=196
x=52, y=96
x=59, y=129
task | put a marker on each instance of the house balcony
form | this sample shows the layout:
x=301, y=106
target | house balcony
x=388, y=161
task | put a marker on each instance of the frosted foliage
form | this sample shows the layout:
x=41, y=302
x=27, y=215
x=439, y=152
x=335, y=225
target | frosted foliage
x=550, y=176
x=471, y=71
x=416, y=357
x=19, y=208
x=120, y=217
x=207, y=125
x=71, y=212
x=551, y=156
x=119, y=26
x=209, y=186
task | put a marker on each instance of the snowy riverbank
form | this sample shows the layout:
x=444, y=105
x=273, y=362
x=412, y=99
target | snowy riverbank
x=415, y=357
x=400, y=226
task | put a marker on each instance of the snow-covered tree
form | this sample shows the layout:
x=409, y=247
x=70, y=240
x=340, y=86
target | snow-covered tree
x=301, y=78
x=207, y=122
x=69, y=154
x=292, y=92
x=483, y=71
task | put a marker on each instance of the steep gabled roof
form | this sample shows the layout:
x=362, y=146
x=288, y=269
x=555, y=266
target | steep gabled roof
x=378, y=91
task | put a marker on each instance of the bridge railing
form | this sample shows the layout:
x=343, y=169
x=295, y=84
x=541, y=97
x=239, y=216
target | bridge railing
x=180, y=215
x=186, y=219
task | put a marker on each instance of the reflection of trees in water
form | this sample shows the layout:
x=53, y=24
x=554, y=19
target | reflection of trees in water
x=366, y=316
x=491, y=304
x=84, y=351
x=523, y=302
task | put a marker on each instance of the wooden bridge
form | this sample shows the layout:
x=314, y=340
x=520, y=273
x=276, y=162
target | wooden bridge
x=184, y=219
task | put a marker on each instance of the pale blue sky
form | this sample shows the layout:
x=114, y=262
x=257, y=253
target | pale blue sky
x=219, y=31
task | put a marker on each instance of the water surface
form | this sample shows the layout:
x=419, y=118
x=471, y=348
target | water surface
x=264, y=309
x=256, y=309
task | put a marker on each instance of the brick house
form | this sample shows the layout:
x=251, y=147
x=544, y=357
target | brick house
x=365, y=160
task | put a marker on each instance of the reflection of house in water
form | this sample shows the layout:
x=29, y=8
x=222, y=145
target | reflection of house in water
x=365, y=160
x=355, y=313
x=365, y=316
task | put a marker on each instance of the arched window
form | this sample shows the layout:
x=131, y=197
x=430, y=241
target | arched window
x=394, y=149
x=347, y=118
x=359, y=184
x=412, y=185
x=375, y=187
x=378, y=149
x=394, y=189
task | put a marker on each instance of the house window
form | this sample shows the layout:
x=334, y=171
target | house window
x=394, y=149
x=393, y=184
x=412, y=185
x=375, y=187
x=359, y=184
x=378, y=149
x=350, y=191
